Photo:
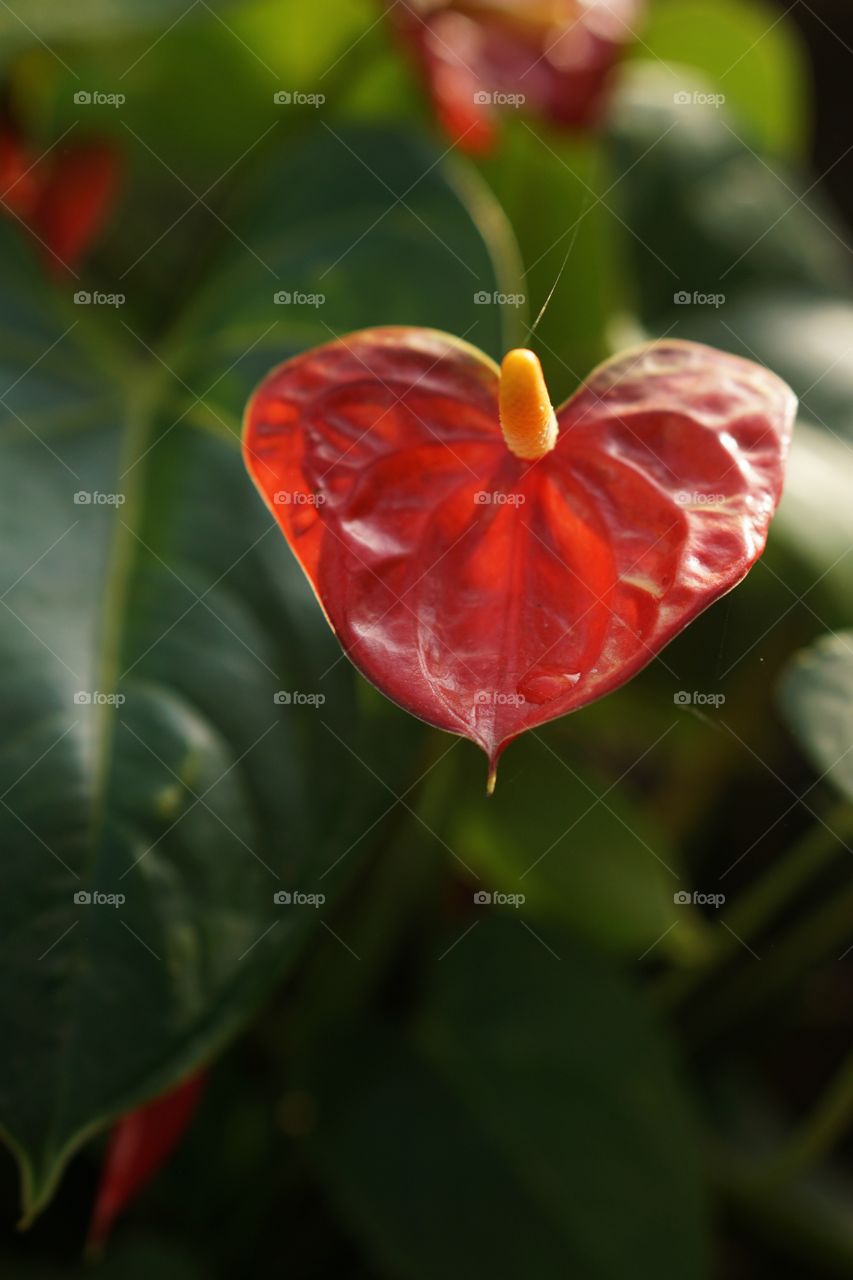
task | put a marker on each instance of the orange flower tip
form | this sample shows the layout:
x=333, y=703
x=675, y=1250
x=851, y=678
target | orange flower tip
x=528, y=421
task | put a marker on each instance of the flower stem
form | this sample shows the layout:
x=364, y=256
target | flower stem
x=818, y=1133
x=810, y=1224
x=762, y=901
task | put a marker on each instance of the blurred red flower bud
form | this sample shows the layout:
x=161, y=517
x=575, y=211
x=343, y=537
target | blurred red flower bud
x=64, y=197
x=551, y=58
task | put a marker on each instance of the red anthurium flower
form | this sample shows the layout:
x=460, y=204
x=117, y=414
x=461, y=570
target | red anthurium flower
x=551, y=57
x=64, y=198
x=75, y=201
x=491, y=564
x=140, y=1144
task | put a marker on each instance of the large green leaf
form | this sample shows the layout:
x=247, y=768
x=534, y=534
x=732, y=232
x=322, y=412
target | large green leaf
x=817, y=697
x=803, y=335
x=736, y=251
x=282, y=36
x=710, y=214
x=257, y=49
x=199, y=794
x=182, y=137
x=537, y=1103
x=744, y=51
x=51, y=20
x=137, y=1259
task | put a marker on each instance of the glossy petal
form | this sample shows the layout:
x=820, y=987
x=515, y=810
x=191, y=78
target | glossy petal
x=552, y=57
x=140, y=1144
x=486, y=594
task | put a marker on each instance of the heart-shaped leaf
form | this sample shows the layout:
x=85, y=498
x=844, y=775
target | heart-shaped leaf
x=488, y=594
x=161, y=667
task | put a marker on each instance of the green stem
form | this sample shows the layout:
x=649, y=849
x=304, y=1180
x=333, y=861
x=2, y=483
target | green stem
x=761, y=902
x=824, y=932
x=757, y=906
x=811, y=1224
x=818, y=1134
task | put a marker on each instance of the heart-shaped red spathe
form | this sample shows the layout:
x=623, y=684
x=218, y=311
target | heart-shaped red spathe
x=487, y=594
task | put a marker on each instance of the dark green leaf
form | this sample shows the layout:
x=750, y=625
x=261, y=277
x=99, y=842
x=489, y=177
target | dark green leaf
x=199, y=795
x=537, y=1104
x=709, y=214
